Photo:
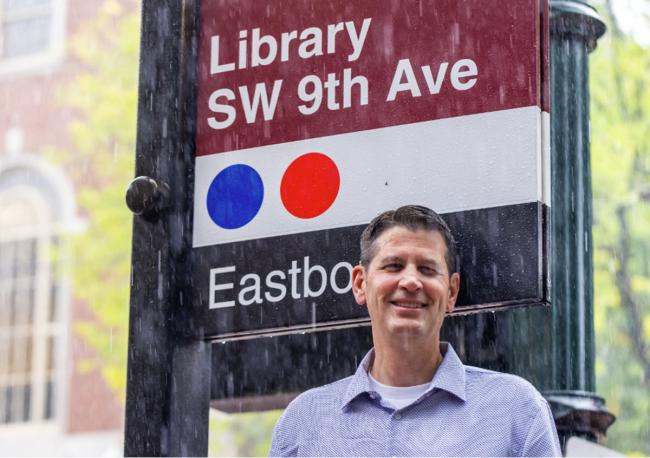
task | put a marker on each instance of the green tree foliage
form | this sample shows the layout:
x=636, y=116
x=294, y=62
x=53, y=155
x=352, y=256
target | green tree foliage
x=244, y=434
x=104, y=96
x=620, y=127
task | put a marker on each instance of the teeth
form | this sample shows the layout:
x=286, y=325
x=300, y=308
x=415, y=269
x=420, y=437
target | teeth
x=408, y=305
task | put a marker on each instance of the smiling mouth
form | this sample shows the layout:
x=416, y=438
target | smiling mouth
x=408, y=305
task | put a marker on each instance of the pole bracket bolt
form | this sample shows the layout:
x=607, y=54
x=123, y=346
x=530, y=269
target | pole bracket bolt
x=147, y=197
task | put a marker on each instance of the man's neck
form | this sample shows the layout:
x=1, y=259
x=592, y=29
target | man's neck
x=406, y=365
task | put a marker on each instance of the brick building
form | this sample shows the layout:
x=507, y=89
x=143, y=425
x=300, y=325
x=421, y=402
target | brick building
x=47, y=405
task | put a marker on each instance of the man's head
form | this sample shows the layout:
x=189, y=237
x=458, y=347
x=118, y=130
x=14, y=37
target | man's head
x=413, y=217
x=407, y=277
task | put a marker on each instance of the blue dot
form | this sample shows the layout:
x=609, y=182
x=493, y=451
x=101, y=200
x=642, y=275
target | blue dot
x=235, y=196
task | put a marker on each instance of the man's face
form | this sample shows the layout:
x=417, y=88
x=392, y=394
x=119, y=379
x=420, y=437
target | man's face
x=406, y=286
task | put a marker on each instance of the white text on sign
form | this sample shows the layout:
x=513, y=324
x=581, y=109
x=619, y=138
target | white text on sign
x=264, y=48
x=278, y=283
x=339, y=90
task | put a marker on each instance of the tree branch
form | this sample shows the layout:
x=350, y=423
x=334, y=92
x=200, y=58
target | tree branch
x=616, y=67
x=628, y=301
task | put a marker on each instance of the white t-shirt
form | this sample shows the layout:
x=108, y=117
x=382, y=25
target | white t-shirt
x=397, y=396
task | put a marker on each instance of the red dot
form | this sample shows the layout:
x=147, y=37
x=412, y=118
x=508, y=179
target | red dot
x=310, y=185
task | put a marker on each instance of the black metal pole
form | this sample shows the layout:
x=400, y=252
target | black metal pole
x=578, y=411
x=167, y=400
x=554, y=347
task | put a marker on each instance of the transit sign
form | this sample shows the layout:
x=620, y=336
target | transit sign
x=313, y=117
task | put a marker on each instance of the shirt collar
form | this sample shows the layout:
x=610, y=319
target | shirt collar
x=449, y=377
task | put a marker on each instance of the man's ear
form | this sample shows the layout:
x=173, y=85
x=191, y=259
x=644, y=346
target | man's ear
x=359, y=284
x=454, y=288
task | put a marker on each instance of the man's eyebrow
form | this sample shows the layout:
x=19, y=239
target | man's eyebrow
x=425, y=261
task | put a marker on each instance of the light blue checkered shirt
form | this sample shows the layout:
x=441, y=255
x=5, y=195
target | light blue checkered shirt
x=466, y=411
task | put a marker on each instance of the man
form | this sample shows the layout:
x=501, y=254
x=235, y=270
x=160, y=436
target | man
x=411, y=395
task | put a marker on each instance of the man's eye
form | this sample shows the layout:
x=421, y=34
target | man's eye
x=427, y=270
x=393, y=266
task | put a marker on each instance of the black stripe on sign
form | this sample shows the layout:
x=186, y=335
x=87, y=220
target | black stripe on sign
x=301, y=281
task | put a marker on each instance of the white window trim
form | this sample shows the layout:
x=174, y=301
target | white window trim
x=65, y=223
x=15, y=66
x=42, y=232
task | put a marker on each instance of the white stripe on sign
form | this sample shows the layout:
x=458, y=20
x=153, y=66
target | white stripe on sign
x=462, y=163
x=546, y=158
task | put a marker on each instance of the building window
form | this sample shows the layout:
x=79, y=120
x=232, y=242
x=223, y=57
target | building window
x=31, y=33
x=25, y=27
x=29, y=325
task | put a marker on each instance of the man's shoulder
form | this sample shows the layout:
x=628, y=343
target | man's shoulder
x=306, y=414
x=501, y=387
x=485, y=378
x=324, y=395
x=516, y=407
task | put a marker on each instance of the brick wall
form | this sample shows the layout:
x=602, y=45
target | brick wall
x=28, y=101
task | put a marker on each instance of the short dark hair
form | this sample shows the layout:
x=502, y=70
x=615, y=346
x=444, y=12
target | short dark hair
x=413, y=217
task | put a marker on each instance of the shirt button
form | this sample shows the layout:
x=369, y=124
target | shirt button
x=398, y=416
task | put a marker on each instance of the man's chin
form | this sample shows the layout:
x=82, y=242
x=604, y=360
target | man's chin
x=412, y=328
x=407, y=327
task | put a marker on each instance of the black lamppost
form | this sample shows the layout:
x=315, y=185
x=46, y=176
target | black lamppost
x=575, y=27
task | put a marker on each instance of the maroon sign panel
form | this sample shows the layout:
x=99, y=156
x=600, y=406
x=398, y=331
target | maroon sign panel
x=315, y=116
x=358, y=65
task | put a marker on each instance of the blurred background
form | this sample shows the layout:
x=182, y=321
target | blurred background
x=68, y=99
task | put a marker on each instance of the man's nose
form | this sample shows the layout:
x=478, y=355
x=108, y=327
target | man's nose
x=410, y=280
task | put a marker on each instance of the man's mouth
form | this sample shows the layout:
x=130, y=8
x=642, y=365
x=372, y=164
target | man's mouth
x=408, y=304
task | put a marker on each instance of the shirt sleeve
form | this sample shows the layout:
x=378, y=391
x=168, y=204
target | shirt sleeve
x=284, y=441
x=542, y=439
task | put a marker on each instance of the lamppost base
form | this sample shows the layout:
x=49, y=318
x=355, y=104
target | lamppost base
x=579, y=413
